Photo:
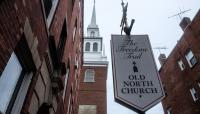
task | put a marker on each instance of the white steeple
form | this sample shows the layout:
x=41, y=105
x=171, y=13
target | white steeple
x=93, y=29
x=93, y=19
x=93, y=44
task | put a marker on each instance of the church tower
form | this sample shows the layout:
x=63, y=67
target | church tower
x=92, y=88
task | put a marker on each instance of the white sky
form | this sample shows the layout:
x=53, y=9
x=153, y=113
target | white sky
x=151, y=18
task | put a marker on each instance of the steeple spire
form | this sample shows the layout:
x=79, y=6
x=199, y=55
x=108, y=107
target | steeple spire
x=93, y=20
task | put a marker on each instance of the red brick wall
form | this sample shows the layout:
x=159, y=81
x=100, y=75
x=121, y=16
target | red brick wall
x=13, y=14
x=12, y=20
x=178, y=83
x=72, y=49
x=94, y=93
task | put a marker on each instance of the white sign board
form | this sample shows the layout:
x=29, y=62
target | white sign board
x=136, y=80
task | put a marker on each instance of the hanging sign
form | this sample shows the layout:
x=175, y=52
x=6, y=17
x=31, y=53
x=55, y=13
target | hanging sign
x=136, y=80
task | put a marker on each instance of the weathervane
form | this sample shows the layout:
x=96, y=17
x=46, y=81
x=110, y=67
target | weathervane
x=124, y=23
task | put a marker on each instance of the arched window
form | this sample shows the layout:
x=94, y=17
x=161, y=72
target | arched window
x=87, y=46
x=92, y=34
x=89, y=75
x=95, y=46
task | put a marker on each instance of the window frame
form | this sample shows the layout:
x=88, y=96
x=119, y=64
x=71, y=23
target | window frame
x=95, y=47
x=52, y=11
x=181, y=64
x=74, y=31
x=88, y=77
x=92, y=34
x=87, y=46
x=24, y=56
x=66, y=81
x=188, y=58
x=193, y=92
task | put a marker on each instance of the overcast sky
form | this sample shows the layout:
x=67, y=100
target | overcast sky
x=151, y=18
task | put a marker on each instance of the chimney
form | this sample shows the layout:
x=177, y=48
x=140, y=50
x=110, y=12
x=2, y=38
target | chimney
x=184, y=23
x=162, y=58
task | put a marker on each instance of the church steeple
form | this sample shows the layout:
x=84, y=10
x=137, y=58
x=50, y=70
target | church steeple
x=93, y=19
x=94, y=51
x=93, y=29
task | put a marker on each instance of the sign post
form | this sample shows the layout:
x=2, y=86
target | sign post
x=137, y=83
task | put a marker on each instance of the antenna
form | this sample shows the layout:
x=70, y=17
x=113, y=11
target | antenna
x=180, y=14
x=160, y=48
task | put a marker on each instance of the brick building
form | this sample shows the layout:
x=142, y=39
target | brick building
x=92, y=92
x=40, y=55
x=180, y=72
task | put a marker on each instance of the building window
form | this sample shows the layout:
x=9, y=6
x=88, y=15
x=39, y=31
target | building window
x=95, y=46
x=181, y=65
x=89, y=75
x=66, y=80
x=191, y=59
x=50, y=8
x=69, y=106
x=87, y=109
x=165, y=90
x=198, y=83
x=47, y=6
x=8, y=82
x=16, y=78
x=62, y=41
x=74, y=30
x=194, y=94
x=92, y=34
x=169, y=110
x=87, y=46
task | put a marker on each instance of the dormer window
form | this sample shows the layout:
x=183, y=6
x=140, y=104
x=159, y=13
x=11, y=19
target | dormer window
x=87, y=46
x=92, y=34
x=95, y=46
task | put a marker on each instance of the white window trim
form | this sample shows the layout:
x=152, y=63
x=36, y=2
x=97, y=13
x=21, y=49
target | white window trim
x=65, y=85
x=69, y=104
x=52, y=12
x=74, y=32
x=193, y=92
x=181, y=65
x=189, y=58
